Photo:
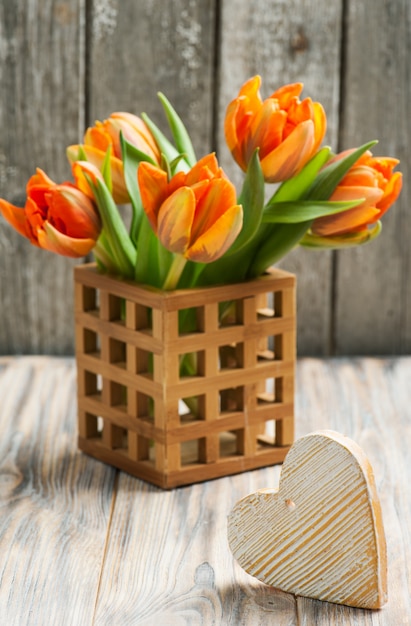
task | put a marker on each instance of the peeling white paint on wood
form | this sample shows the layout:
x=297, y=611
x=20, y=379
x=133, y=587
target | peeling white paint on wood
x=321, y=534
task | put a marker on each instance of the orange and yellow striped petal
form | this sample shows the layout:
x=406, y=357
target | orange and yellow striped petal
x=214, y=242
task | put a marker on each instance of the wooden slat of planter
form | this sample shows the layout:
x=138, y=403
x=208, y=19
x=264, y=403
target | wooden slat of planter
x=231, y=398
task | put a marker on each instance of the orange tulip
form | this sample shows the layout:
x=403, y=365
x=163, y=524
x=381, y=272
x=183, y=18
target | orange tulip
x=106, y=134
x=286, y=131
x=195, y=213
x=59, y=218
x=371, y=178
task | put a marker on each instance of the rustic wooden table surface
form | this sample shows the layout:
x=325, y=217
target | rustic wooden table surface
x=82, y=543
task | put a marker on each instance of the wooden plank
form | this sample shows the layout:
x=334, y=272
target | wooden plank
x=287, y=42
x=55, y=502
x=166, y=557
x=168, y=560
x=142, y=47
x=369, y=401
x=41, y=111
x=373, y=287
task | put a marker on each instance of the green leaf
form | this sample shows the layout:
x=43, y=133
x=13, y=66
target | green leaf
x=179, y=131
x=347, y=240
x=330, y=176
x=295, y=212
x=252, y=201
x=153, y=260
x=120, y=244
x=82, y=156
x=132, y=157
x=283, y=238
x=106, y=170
x=166, y=147
x=296, y=187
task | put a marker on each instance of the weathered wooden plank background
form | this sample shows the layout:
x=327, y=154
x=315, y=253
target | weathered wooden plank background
x=65, y=63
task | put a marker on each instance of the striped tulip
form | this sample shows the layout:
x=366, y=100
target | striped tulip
x=195, y=213
x=104, y=135
x=56, y=217
x=371, y=178
x=287, y=131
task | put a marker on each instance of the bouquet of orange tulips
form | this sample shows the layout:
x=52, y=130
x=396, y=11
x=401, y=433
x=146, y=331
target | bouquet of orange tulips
x=189, y=227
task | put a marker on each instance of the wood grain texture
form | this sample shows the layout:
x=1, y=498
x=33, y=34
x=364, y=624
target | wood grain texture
x=232, y=411
x=41, y=111
x=320, y=534
x=55, y=503
x=139, y=48
x=287, y=42
x=82, y=544
x=373, y=287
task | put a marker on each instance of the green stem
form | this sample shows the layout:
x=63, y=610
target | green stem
x=174, y=273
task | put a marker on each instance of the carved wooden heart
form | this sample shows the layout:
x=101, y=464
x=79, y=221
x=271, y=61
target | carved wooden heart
x=320, y=535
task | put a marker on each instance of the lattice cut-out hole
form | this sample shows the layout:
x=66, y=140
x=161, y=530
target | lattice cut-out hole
x=266, y=392
x=118, y=395
x=144, y=448
x=139, y=317
x=190, y=452
x=267, y=436
x=271, y=391
x=117, y=352
x=191, y=320
x=231, y=313
x=145, y=407
x=116, y=309
x=232, y=399
x=192, y=408
x=90, y=297
x=231, y=356
x=231, y=443
x=91, y=343
x=192, y=364
x=119, y=438
x=92, y=384
x=144, y=363
x=270, y=348
x=93, y=426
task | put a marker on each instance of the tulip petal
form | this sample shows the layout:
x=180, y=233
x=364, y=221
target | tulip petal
x=16, y=217
x=96, y=157
x=234, y=134
x=218, y=238
x=153, y=188
x=287, y=93
x=220, y=195
x=351, y=220
x=175, y=219
x=291, y=155
x=51, y=239
x=266, y=130
x=72, y=212
x=391, y=192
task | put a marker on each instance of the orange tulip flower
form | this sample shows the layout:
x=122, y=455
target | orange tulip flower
x=371, y=178
x=195, y=213
x=59, y=218
x=286, y=131
x=104, y=135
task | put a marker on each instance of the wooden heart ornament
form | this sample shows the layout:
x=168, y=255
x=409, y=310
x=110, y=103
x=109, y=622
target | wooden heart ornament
x=320, y=535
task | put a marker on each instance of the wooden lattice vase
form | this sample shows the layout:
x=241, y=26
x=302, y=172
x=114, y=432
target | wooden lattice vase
x=176, y=407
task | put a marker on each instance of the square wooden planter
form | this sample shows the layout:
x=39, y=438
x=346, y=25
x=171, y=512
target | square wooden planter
x=233, y=411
